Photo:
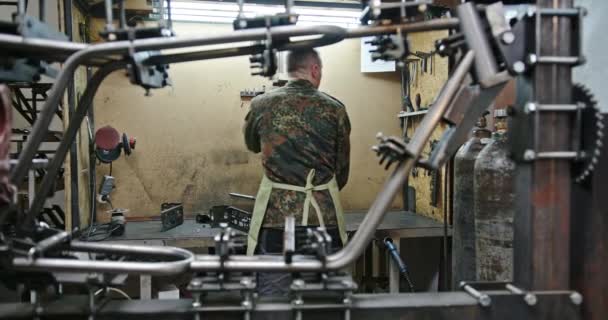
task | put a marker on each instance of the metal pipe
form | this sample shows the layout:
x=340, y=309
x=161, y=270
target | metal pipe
x=122, y=14
x=180, y=260
x=471, y=26
x=21, y=7
x=268, y=263
x=123, y=47
x=68, y=139
x=436, y=24
x=109, y=17
x=169, y=19
x=42, y=10
x=51, y=47
x=420, y=138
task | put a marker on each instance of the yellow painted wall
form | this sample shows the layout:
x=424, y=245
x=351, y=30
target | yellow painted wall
x=82, y=140
x=428, y=86
x=190, y=147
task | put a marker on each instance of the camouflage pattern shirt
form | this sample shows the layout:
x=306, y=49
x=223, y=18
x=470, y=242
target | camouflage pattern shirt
x=298, y=128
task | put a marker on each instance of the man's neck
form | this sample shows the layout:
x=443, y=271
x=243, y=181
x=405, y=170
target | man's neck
x=300, y=76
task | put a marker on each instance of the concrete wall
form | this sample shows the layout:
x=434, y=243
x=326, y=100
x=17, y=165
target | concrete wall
x=190, y=147
x=593, y=72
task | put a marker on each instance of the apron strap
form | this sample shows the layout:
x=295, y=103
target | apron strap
x=259, y=211
x=263, y=196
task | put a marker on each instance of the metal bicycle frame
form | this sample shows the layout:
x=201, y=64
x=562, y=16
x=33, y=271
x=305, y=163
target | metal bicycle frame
x=82, y=55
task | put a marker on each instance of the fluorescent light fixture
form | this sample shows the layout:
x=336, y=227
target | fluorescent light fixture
x=215, y=12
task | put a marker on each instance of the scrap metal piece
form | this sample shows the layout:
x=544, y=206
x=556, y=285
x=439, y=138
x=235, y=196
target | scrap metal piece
x=172, y=215
x=234, y=217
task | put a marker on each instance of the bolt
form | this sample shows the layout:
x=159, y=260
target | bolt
x=112, y=36
x=195, y=283
x=346, y=301
x=422, y=8
x=529, y=155
x=39, y=310
x=246, y=282
x=507, y=37
x=530, y=107
x=531, y=59
x=246, y=304
x=485, y=300
x=299, y=283
x=298, y=302
x=576, y=298
x=519, y=67
x=531, y=11
x=582, y=60
x=530, y=299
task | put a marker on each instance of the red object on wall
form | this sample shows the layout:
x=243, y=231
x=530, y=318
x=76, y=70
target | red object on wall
x=107, y=138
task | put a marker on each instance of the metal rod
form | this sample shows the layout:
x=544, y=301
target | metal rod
x=71, y=95
x=470, y=24
x=169, y=19
x=122, y=14
x=244, y=196
x=483, y=299
x=436, y=24
x=180, y=260
x=529, y=298
x=62, y=50
x=21, y=7
x=42, y=10
x=109, y=15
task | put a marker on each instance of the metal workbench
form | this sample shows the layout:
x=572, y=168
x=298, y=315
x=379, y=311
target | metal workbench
x=191, y=235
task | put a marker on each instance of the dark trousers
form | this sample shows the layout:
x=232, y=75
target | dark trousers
x=270, y=242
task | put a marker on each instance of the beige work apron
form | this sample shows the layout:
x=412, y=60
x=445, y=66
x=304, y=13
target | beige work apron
x=263, y=196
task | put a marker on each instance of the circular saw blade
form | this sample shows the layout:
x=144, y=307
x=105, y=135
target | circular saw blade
x=592, y=133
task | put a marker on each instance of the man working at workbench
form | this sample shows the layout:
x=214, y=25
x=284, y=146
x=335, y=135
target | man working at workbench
x=303, y=135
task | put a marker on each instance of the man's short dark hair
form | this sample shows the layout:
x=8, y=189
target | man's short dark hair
x=300, y=59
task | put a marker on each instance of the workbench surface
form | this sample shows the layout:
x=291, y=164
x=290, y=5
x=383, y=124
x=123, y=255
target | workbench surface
x=191, y=234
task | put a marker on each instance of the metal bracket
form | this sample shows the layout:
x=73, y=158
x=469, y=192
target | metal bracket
x=201, y=286
x=340, y=285
x=536, y=109
x=577, y=14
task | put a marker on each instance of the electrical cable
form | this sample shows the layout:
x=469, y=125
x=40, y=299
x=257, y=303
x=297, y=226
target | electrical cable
x=396, y=257
x=122, y=293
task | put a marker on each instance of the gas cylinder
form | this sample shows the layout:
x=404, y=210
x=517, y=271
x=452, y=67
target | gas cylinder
x=494, y=206
x=463, y=232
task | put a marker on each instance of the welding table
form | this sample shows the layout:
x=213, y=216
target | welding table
x=191, y=235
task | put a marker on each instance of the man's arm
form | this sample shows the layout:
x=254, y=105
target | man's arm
x=343, y=149
x=251, y=129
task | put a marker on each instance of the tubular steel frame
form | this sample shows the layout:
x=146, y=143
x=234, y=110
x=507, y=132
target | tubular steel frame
x=108, y=57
